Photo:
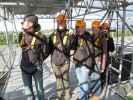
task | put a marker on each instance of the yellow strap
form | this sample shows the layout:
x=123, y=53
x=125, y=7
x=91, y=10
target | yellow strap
x=54, y=39
x=65, y=38
x=99, y=41
x=21, y=44
x=34, y=40
x=82, y=42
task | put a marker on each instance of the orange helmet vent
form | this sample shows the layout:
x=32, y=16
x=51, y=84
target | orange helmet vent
x=96, y=24
x=80, y=24
x=61, y=19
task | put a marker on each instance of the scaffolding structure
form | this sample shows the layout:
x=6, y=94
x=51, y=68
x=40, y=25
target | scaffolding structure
x=114, y=10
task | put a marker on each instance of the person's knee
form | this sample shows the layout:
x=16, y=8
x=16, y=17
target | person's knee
x=95, y=76
x=84, y=91
x=40, y=91
x=27, y=91
x=58, y=74
x=84, y=87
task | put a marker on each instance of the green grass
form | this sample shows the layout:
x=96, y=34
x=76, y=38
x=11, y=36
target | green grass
x=130, y=98
x=119, y=34
x=3, y=38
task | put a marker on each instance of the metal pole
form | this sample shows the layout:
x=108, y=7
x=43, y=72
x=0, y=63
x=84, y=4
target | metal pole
x=6, y=33
x=71, y=11
x=122, y=41
x=131, y=74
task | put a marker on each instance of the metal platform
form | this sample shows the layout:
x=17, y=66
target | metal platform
x=15, y=91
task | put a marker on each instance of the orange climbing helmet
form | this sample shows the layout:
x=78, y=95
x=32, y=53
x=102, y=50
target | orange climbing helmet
x=61, y=19
x=96, y=24
x=80, y=24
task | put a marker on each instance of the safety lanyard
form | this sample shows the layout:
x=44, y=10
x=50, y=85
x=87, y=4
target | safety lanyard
x=33, y=40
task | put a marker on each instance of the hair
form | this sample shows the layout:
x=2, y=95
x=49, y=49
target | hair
x=34, y=19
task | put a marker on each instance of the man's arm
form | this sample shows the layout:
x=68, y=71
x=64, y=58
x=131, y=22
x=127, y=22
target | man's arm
x=46, y=48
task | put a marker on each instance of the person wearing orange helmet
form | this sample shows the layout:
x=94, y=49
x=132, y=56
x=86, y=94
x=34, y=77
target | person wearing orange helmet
x=61, y=22
x=100, y=45
x=80, y=26
x=60, y=44
x=95, y=26
x=83, y=58
x=96, y=32
x=99, y=41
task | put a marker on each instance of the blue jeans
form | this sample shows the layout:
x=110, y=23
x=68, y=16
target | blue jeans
x=28, y=88
x=96, y=86
x=89, y=82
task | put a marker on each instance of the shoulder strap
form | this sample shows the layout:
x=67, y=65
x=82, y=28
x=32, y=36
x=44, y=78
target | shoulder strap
x=21, y=39
x=34, y=40
x=53, y=38
x=63, y=45
x=65, y=38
